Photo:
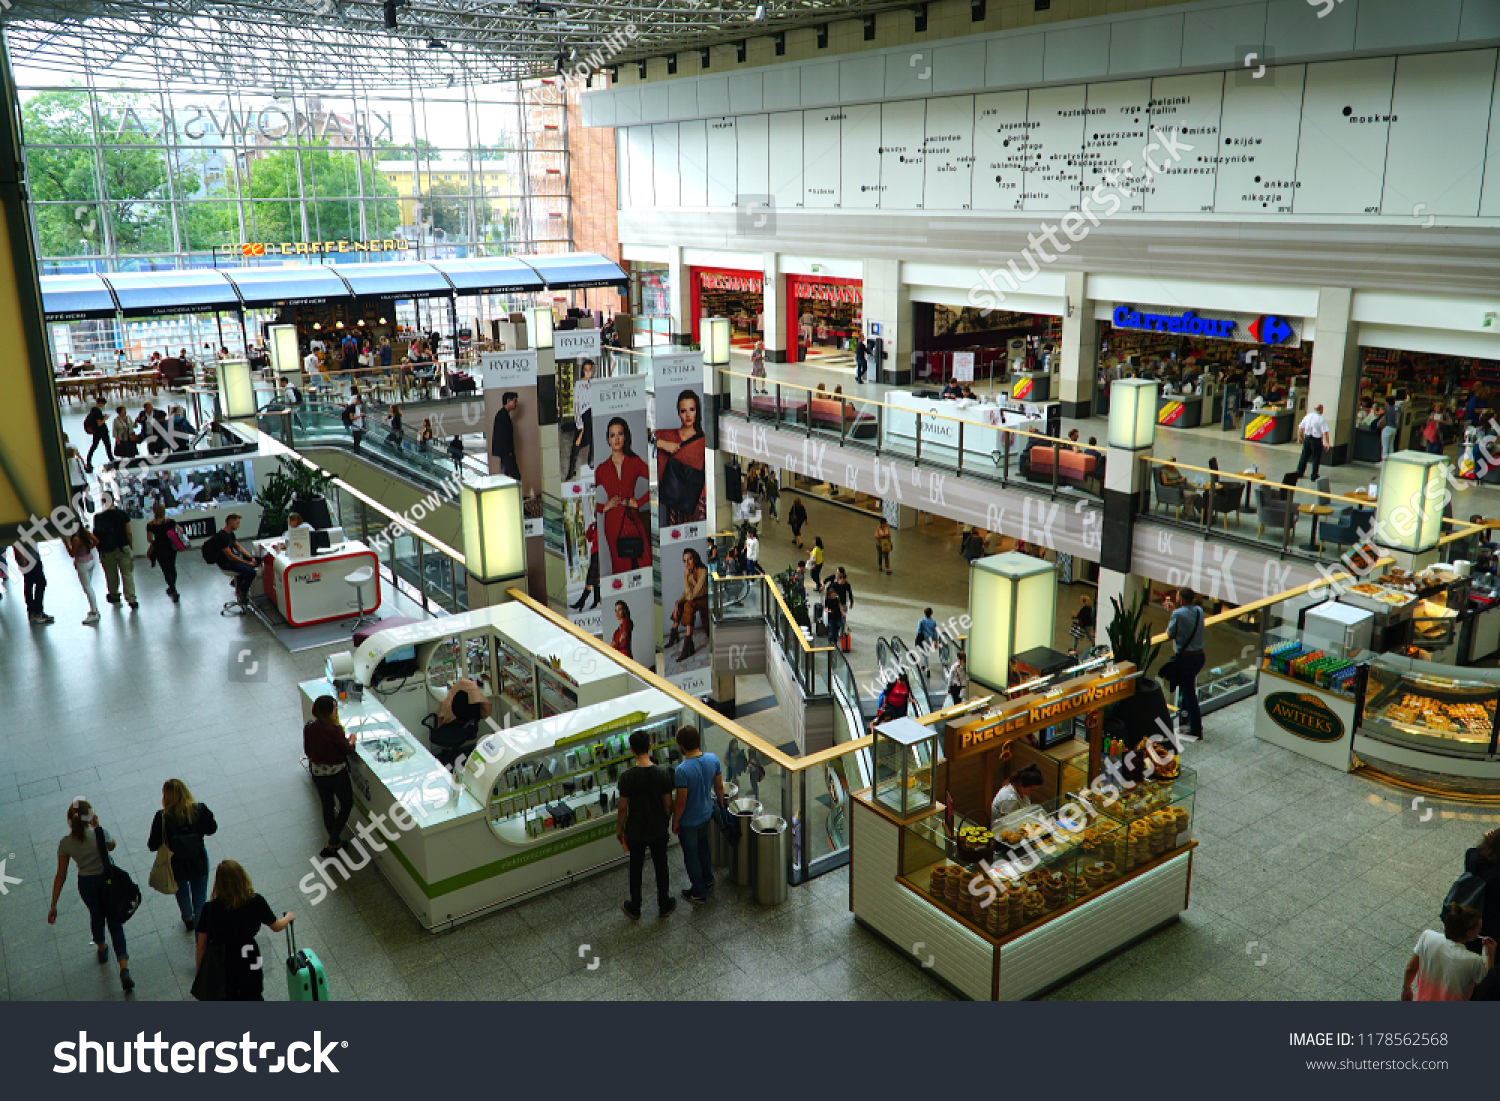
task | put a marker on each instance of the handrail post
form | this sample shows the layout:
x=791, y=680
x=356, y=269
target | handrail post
x=843, y=422
x=960, y=447
x=421, y=576
x=917, y=459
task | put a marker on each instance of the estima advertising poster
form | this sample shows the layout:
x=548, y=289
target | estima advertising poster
x=682, y=505
x=577, y=358
x=621, y=502
x=514, y=444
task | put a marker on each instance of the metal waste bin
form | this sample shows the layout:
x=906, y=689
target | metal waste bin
x=770, y=859
x=718, y=844
x=743, y=811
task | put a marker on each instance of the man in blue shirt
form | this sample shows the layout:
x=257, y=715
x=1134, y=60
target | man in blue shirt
x=927, y=636
x=700, y=783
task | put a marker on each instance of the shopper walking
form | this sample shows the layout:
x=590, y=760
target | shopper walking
x=162, y=535
x=96, y=424
x=1314, y=434
x=883, y=547
x=1390, y=422
x=926, y=639
x=84, y=845
x=328, y=747
x=958, y=679
x=758, y=367
x=772, y=492
x=861, y=359
x=752, y=551
x=796, y=518
x=456, y=452
x=973, y=546
x=1082, y=629
x=833, y=613
x=81, y=546
x=1432, y=431
x=112, y=528
x=815, y=562
x=78, y=483
x=28, y=558
x=642, y=821
x=228, y=924
x=1441, y=967
x=840, y=584
x=181, y=825
x=700, y=784
x=123, y=432
x=1185, y=629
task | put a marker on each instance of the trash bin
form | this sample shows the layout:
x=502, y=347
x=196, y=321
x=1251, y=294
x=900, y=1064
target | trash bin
x=769, y=859
x=743, y=811
x=718, y=844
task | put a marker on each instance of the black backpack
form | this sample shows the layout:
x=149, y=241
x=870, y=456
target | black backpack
x=210, y=552
x=122, y=898
x=296, y=398
x=347, y=416
x=92, y=421
x=1467, y=890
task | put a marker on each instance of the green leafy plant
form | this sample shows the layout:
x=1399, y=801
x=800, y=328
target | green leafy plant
x=275, y=501
x=1130, y=632
x=307, y=482
x=791, y=592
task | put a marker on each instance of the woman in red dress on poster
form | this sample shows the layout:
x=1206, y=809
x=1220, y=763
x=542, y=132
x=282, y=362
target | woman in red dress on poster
x=622, y=488
x=620, y=641
x=680, y=454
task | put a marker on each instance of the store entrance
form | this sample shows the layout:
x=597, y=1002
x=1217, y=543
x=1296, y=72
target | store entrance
x=981, y=348
x=825, y=318
x=1462, y=389
x=737, y=295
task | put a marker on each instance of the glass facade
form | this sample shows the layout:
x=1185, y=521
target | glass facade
x=163, y=177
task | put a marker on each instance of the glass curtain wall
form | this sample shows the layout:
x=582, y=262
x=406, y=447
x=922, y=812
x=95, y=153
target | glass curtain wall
x=171, y=176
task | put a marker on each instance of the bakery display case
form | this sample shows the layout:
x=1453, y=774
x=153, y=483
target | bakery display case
x=1454, y=714
x=904, y=755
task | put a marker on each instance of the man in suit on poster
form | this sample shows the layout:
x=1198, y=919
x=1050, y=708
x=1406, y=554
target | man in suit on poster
x=503, y=436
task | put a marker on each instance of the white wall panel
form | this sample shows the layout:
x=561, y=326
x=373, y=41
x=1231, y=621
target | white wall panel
x=627, y=106
x=784, y=91
x=745, y=93
x=909, y=73
x=902, y=162
x=655, y=103
x=1191, y=105
x=684, y=98
x=723, y=162
x=1015, y=60
x=753, y=135
x=1002, y=150
x=639, y=169
x=859, y=165
x=959, y=67
x=785, y=168
x=1346, y=109
x=1440, y=118
x=949, y=154
x=822, y=176
x=1115, y=135
x=666, y=188
x=692, y=162
x=820, y=84
x=1489, y=199
x=713, y=95
x=1055, y=122
x=861, y=78
x=1257, y=157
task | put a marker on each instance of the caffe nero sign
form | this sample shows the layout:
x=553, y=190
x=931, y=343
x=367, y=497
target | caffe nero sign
x=1305, y=716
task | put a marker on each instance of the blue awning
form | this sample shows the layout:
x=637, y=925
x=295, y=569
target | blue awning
x=395, y=279
x=76, y=298
x=490, y=275
x=288, y=285
x=162, y=293
x=575, y=270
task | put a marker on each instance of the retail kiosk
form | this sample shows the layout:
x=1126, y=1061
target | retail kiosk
x=311, y=589
x=1063, y=884
x=984, y=423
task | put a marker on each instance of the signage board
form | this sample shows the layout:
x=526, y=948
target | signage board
x=1028, y=714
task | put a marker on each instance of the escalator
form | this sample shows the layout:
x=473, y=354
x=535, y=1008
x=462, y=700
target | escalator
x=853, y=772
x=910, y=664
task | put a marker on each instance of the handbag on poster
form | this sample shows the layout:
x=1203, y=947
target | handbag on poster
x=682, y=486
x=632, y=546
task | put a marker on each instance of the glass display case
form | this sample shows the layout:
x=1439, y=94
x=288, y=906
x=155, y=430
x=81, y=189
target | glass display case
x=557, y=693
x=443, y=666
x=572, y=783
x=904, y=753
x=1428, y=709
x=516, y=678
x=1157, y=815
x=478, y=653
x=1286, y=655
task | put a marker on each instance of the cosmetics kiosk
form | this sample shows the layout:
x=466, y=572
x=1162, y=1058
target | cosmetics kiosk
x=1007, y=910
x=983, y=423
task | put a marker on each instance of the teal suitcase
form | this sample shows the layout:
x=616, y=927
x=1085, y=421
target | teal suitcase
x=306, y=981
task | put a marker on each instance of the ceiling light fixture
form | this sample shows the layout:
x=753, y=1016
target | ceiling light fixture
x=760, y=13
x=434, y=43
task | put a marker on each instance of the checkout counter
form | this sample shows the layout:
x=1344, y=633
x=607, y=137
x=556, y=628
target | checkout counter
x=1034, y=386
x=1272, y=424
x=534, y=805
x=1179, y=410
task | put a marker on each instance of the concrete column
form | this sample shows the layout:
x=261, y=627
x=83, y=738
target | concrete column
x=1125, y=481
x=681, y=294
x=486, y=596
x=1079, y=351
x=888, y=301
x=773, y=298
x=1335, y=370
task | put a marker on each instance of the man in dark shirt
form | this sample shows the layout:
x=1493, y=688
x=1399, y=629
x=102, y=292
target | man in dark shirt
x=833, y=612
x=503, y=438
x=112, y=529
x=644, y=817
x=223, y=550
x=96, y=424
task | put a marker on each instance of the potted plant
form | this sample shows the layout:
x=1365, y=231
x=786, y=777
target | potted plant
x=1129, y=633
x=275, y=500
x=309, y=493
x=791, y=592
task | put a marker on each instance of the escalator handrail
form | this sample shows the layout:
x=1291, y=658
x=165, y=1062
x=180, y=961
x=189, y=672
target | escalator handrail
x=913, y=670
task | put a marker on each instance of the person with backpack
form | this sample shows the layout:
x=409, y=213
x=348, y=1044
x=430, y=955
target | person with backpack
x=85, y=845
x=229, y=922
x=1185, y=629
x=1442, y=968
x=181, y=825
x=349, y=350
x=894, y=702
x=96, y=424
x=354, y=417
x=116, y=553
x=222, y=549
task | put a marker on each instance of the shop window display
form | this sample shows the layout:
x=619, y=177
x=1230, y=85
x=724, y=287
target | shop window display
x=199, y=488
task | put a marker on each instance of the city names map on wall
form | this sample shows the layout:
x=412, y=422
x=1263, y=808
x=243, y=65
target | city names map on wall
x=1404, y=137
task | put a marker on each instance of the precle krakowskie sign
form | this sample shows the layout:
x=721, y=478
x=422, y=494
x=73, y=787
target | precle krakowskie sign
x=1017, y=718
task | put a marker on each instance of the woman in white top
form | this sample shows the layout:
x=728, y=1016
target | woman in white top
x=583, y=419
x=958, y=679
x=758, y=365
x=82, y=845
x=78, y=482
x=81, y=546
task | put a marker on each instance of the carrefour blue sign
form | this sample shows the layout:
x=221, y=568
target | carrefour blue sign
x=1188, y=323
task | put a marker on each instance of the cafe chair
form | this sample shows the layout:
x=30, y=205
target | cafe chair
x=1229, y=497
x=1276, y=510
x=1347, y=528
x=1172, y=496
x=357, y=581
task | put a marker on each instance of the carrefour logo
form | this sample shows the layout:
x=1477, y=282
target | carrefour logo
x=1270, y=329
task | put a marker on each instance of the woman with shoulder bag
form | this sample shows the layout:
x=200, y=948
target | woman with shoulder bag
x=883, y=547
x=163, y=537
x=181, y=825
x=122, y=428
x=83, y=844
x=229, y=923
x=81, y=546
